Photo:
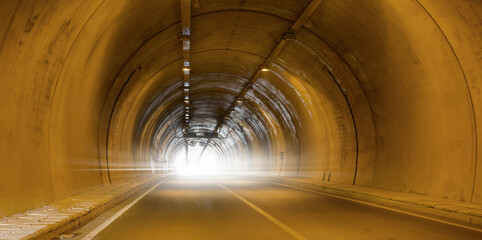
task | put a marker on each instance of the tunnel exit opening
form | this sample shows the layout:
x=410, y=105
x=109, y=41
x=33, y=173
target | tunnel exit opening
x=196, y=158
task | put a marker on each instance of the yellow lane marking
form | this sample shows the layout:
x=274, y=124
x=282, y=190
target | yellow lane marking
x=119, y=213
x=382, y=207
x=265, y=214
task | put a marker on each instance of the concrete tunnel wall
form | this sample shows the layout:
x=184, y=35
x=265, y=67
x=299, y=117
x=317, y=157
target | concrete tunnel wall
x=376, y=93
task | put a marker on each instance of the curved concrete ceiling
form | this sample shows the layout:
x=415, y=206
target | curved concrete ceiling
x=375, y=93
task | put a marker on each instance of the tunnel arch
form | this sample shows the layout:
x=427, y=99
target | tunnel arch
x=386, y=90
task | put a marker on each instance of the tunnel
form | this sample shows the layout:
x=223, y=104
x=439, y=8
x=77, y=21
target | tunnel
x=372, y=95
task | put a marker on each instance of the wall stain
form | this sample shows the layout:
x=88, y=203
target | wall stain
x=30, y=23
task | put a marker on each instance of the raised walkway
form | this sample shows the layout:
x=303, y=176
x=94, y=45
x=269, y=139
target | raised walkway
x=50, y=221
x=460, y=211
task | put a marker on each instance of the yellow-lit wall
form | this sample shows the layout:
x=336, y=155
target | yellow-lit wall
x=387, y=89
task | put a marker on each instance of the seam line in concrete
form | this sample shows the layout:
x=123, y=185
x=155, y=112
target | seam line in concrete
x=350, y=108
x=57, y=79
x=471, y=98
x=267, y=215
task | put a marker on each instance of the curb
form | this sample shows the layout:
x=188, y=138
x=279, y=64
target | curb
x=441, y=208
x=71, y=213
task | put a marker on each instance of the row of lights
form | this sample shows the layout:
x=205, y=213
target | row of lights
x=186, y=70
x=239, y=101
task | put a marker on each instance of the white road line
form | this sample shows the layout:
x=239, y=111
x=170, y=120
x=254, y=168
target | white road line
x=265, y=214
x=382, y=207
x=119, y=213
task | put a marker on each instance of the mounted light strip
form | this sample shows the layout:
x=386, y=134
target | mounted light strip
x=185, y=37
x=290, y=35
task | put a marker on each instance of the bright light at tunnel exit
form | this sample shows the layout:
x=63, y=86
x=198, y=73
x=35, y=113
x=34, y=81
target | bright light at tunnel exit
x=197, y=164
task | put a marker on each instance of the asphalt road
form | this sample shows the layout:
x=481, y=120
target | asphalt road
x=236, y=208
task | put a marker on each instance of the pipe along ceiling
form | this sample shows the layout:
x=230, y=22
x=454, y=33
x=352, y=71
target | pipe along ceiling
x=383, y=94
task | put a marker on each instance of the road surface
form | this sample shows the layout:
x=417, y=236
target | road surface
x=243, y=208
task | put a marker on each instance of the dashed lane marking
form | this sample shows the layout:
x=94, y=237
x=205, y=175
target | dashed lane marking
x=267, y=215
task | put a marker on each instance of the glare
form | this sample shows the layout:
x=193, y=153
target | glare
x=197, y=164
